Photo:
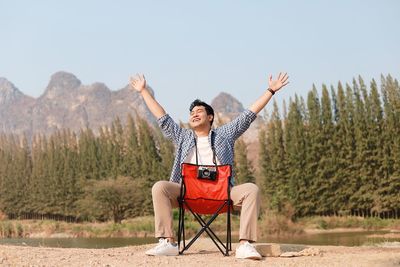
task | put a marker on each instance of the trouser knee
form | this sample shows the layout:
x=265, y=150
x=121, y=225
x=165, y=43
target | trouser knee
x=158, y=188
x=253, y=189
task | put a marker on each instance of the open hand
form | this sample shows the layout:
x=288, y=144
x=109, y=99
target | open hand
x=278, y=83
x=138, y=82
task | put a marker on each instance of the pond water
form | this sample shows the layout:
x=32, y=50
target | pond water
x=333, y=239
x=336, y=239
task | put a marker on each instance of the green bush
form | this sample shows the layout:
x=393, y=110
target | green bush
x=274, y=223
x=19, y=230
x=322, y=224
x=7, y=229
x=374, y=223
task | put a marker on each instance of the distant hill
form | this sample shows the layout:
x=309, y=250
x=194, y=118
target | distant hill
x=226, y=108
x=66, y=103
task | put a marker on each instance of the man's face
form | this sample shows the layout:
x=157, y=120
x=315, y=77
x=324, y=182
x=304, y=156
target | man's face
x=199, y=118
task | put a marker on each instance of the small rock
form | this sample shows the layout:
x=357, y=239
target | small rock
x=268, y=250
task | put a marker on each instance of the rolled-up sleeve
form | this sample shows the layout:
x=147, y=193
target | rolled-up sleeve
x=170, y=128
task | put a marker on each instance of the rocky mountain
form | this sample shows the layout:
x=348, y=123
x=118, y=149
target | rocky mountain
x=226, y=105
x=226, y=108
x=66, y=103
x=15, y=108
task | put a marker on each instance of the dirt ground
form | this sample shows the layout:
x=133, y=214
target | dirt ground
x=202, y=253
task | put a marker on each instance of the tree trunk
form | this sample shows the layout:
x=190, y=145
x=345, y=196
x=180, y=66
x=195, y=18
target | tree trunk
x=117, y=218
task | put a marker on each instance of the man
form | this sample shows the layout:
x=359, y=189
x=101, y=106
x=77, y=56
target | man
x=165, y=193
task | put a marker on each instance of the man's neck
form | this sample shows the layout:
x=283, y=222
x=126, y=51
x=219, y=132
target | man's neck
x=202, y=132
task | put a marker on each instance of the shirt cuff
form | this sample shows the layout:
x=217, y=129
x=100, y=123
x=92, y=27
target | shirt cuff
x=162, y=119
x=250, y=114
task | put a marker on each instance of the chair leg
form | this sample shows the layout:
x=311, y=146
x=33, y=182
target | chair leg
x=183, y=228
x=206, y=228
x=210, y=233
x=179, y=227
x=228, y=229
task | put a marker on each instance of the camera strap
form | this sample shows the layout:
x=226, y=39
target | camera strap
x=212, y=148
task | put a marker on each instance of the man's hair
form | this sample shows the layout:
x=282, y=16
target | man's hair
x=209, y=109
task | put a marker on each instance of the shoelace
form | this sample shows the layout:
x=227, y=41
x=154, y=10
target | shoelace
x=250, y=246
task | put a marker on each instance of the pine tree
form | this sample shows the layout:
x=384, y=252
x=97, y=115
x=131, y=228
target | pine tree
x=314, y=199
x=363, y=197
x=273, y=162
x=295, y=148
x=149, y=163
x=130, y=165
x=242, y=165
x=390, y=186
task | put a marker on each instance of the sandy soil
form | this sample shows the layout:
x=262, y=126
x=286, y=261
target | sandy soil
x=202, y=253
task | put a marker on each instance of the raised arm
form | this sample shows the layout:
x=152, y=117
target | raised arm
x=273, y=87
x=139, y=84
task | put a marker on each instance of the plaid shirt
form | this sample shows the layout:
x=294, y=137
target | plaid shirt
x=224, y=140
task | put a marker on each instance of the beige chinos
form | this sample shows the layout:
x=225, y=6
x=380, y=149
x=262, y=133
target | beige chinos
x=245, y=196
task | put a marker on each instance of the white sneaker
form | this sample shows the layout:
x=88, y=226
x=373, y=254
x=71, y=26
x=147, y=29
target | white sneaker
x=247, y=251
x=164, y=248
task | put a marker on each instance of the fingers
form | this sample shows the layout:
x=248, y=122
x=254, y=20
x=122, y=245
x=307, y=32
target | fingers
x=141, y=77
x=132, y=81
x=284, y=78
x=133, y=78
x=138, y=77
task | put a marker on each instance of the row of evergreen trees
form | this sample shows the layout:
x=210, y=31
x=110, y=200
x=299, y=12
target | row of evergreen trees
x=338, y=153
x=55, y=176
x=334, y=154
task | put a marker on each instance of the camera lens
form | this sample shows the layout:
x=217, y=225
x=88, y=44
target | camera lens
x=206, y=172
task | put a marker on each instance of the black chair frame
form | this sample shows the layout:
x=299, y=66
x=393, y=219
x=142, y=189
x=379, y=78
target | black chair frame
x=205, y=225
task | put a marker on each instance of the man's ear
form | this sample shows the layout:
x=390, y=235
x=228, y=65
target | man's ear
x=210, y=117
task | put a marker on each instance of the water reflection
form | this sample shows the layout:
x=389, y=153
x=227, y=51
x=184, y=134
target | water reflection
x=78, y=242
x=332, y=239
x=335, y=239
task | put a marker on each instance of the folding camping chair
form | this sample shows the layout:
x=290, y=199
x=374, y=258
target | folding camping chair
x=205, y=190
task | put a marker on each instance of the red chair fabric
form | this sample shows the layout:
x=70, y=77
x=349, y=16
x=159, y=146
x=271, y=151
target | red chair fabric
x=206, y=196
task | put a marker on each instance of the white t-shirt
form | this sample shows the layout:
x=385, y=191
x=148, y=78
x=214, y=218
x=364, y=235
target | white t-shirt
x=204, y=153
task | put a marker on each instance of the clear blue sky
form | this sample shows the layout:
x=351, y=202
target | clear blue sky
x=195, y=49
